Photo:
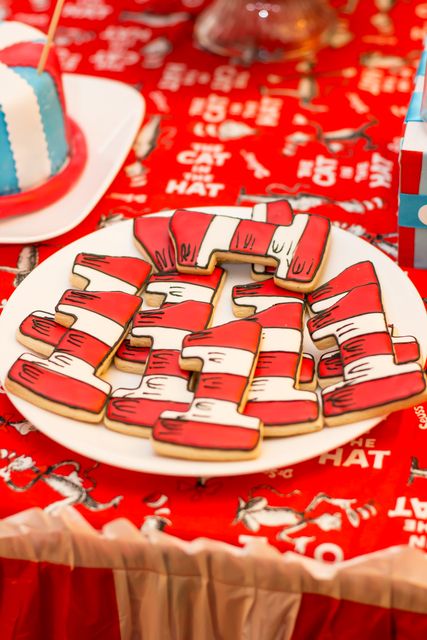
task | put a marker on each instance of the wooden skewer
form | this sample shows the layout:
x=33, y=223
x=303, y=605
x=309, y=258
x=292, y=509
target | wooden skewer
x=50, y=35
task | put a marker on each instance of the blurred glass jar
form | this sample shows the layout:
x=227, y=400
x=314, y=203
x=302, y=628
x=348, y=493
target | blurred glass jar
x=266, y=31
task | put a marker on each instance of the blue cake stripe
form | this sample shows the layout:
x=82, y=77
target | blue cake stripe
x=51, y=114
x=8, y=178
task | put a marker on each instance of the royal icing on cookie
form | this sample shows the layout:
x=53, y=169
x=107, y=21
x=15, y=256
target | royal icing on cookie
x=348, y=309
x=109, y=273
x=40, y=331
x=164, y=384
x=274, y=396
x=297, y=250
x=330, y=368
x=151, y=236
x=174, y=287
x=277, y=212
x=214, y=427
x=68, y=381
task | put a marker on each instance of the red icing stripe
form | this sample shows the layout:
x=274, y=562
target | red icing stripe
x=116, y=305
x=407, y=351
x=84, y=346
x=282, y=316
x=45, y=330
x=189, y=229
x=210, y=280
x=356, y=275
x=240, y=334
x=411, y=163
x=310, y=249
x=165, y=362
x=252, y=237
x=57, y=387
x=279, y=212
x=282, y=412
x=223, y=386
x=265, y=288
x=372, y=393
x=356, y=302
x=189, y=316
x=277, y=364
x=132, y=354
x=153, y=235
x=371, y=344
x=307, y=369
x=131, y=270
x=205, y=435
x=141, y=412
x=330, y=366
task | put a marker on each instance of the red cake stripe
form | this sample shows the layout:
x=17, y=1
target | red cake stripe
x=203, y=435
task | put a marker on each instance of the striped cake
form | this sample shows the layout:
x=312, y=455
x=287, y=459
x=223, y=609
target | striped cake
x=33, y=128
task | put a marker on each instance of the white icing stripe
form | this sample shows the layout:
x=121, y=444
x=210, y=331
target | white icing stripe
x=402, y=339
x=353, y=327
x=15, y=32
x=214, y=412
x=70, y=366
x=287, y=239
x=219, y=234
x=162, y=337
x=94, y=324
x=25, y=127
x=44, y=314
x=318, y=307
x=372, y=368
x=277, y=388
x=99, y=281
x=259, y=212
x=159, y=387
x=228, y=360
x=274, y=339
x=263, y=302
x=181, y=291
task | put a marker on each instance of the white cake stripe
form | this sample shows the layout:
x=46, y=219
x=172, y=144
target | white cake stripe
x=24, y=122
x=12, y=32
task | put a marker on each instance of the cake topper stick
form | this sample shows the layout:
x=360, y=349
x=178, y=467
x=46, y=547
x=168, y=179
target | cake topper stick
x=50, y=35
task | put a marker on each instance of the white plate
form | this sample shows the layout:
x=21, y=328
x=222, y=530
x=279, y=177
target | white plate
x=44, y=286
x=109, y=114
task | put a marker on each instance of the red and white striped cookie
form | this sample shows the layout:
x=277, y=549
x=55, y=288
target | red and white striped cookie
x=40, y=331
x=68, y=381
x=275, y=396
x=151, y=236
x=164, y=385
x=214, y=427
x=297, y=251
x=348, y=310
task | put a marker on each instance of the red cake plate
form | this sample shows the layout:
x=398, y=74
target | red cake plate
x=56, y=187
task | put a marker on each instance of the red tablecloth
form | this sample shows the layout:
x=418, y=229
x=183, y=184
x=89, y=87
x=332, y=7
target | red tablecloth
x=323, y=133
